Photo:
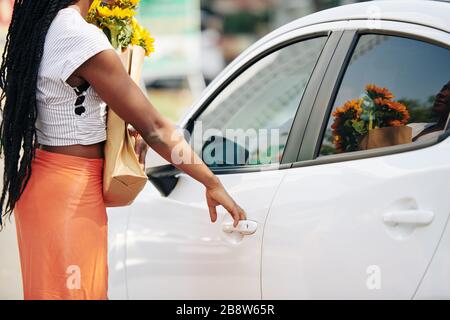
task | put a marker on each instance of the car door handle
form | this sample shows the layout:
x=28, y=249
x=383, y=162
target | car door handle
x=417, y=217
x=244, y=227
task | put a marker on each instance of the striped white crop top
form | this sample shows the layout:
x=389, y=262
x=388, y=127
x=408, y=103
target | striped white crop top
x=67, y=115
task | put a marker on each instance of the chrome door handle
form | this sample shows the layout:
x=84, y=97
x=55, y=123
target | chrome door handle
x=416, y=217
x=244, y=227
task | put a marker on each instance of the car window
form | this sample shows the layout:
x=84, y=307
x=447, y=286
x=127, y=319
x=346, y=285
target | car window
x=248, y=122
x=395, y=91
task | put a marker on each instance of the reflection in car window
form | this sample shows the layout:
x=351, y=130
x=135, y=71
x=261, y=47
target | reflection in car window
x=395, y=91
x=255, y=112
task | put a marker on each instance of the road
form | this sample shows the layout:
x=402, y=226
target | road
x=10, y=277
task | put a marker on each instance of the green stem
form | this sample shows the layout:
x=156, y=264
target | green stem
x=114, y=41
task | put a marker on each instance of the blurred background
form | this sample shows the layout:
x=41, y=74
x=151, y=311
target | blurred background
x=195, y=40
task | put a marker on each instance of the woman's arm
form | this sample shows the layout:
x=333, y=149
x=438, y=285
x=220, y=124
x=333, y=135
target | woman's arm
x=109, y=79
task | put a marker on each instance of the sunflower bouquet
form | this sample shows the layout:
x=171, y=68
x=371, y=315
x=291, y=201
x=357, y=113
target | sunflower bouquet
x=118, y=22
x=374, y=120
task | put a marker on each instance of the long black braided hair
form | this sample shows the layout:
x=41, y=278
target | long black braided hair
x=21, y=58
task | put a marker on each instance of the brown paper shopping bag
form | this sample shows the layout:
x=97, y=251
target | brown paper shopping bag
x=386, y=137
x=123, y=176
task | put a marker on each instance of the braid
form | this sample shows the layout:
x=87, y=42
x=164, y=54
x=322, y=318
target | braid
x=21, y=59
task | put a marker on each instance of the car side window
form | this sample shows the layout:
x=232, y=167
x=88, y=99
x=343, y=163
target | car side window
x=248, y=122
x=395, y=91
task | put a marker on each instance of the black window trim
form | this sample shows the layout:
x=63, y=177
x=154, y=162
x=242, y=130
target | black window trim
x=304, y=109
x=301, y=119
x=310, y=148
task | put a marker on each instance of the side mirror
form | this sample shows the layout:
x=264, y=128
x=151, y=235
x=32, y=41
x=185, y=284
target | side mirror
x=161, y=173
x=164, y=178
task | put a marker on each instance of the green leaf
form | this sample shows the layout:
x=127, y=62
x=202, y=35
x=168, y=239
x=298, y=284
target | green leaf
x=359, y=126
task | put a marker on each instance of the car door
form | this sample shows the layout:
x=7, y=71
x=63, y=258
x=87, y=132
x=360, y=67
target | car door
x=365, y=223
x=173, y=251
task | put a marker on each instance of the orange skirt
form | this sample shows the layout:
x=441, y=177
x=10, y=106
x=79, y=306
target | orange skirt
x=61, y=226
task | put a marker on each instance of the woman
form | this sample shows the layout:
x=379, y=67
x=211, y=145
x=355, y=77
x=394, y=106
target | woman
x=58, y=74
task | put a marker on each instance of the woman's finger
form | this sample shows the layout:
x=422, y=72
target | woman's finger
x=236, y=216
x=213, y=213
x=242, y=214
x=136, y=146
x=143, y=152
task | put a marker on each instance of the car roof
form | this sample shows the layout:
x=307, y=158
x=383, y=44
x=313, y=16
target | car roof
x=435, y=14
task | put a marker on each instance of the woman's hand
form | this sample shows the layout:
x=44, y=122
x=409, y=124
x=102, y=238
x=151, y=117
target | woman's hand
x=140, y=146
x=217, y=195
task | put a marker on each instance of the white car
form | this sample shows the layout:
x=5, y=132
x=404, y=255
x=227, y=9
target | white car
x=326, y=219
